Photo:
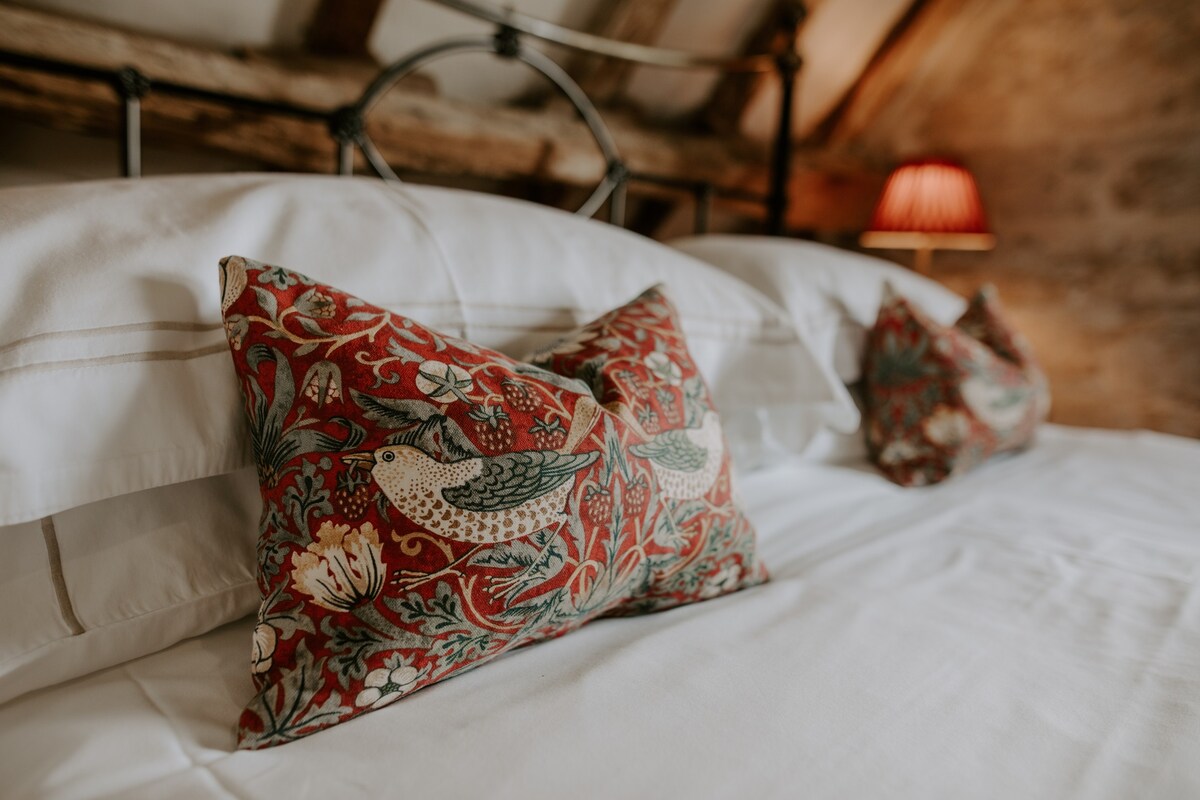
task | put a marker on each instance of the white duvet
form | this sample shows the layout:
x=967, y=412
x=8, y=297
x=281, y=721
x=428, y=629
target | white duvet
x=1029, y=631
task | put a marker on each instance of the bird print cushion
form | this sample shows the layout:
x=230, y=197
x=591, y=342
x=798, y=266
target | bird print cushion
x=940, y=400
x=429, y=504
x=635, y=363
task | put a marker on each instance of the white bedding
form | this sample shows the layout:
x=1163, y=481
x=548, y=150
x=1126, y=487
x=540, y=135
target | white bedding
x=114, y=295
x=1031, y=630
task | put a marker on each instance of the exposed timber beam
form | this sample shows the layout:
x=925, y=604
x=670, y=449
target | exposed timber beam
x=633, y=21
x=924, y=57
x=837, y=42
x=822, y=130
x=415, y=131
x=342, y=28
x=733, y=93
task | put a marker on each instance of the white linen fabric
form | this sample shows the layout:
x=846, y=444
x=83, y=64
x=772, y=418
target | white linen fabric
x=114, y=375
x=102, y=583
x=1031, y=630
x=832, y=295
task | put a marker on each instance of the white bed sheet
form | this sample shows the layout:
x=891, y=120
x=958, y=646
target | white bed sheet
x=1031, y=630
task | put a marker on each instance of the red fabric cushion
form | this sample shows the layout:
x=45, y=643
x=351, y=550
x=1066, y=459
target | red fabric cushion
x=429, y=504
x=940, y=400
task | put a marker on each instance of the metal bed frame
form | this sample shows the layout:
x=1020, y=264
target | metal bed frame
x=347, y=125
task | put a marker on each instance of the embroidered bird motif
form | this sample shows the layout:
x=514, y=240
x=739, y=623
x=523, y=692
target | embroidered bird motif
x=482, y=499
x=685, y=462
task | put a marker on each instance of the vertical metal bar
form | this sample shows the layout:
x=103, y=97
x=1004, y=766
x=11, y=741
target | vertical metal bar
x=704, y=198
x=781, y=154
x=345, y=158
x=788, y=64
x=616, y=204
x=132, y=86
x=131, y=151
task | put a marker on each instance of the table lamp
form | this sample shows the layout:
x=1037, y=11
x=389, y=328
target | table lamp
x=928, y=204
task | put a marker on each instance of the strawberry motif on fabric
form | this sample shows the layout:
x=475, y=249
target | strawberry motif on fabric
x=941, y=400
x=636, y=362
x=429, y=504
x=637, y=365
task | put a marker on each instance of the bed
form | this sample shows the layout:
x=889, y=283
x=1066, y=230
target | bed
x=1028, y=629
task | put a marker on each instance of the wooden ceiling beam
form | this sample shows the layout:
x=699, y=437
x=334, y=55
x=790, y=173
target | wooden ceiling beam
x=342, y=28
x=76, y=41
x=817, y=129
x=923, y=57
x=734, y=92
x=634, y=21
x=414, y=131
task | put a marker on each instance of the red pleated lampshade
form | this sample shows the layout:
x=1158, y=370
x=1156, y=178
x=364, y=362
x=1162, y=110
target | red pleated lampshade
x=930, y=196
x=929, y=203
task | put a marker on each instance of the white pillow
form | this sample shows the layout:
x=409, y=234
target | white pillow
x=114, y=375
x=127, y=507
x=832, y=295
x=113, y=580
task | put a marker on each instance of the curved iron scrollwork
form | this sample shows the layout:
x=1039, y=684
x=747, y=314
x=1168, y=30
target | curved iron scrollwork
x=610, y=48
x=348, y=124
x=348, y=129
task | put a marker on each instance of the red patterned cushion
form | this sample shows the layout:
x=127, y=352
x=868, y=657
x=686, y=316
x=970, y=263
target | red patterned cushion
x=940, y=400
x=429, y=504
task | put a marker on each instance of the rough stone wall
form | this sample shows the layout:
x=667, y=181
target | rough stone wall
x=1081, y=122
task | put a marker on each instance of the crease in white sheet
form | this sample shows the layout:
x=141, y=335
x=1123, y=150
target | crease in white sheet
x=185, y=747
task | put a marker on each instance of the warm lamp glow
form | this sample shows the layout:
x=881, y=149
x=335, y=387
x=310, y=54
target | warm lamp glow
x=926, y=205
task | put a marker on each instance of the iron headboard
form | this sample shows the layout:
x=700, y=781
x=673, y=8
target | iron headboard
x=347, y=125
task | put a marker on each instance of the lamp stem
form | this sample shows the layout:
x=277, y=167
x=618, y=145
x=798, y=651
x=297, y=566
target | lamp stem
x=923, y=260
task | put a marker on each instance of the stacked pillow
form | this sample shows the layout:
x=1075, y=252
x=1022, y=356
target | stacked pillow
x=831, y=295
x=126, y=494
x=891, y=334
x=126, y=452
x=103, y=582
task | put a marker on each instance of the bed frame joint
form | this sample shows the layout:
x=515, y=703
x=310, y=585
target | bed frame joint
x=346, y=124
x=507, y=42
x=130, y=83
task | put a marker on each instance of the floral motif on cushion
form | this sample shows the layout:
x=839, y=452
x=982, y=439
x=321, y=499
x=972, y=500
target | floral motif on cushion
x=941, y=400
x=429, y=504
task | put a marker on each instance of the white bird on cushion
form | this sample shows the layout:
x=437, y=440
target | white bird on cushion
x=482, y=500
x=685, y=461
